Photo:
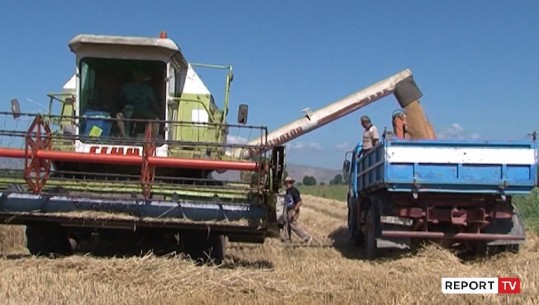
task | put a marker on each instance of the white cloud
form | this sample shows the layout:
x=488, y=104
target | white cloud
x=303, y=146
x=297, y=145
x=314, y=145
x=344, y=146
x=475, y=136
x=457, y=132
x=235, y=140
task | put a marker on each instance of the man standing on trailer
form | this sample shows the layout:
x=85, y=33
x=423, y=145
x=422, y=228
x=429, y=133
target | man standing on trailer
x=292, y=205
x=370, y=135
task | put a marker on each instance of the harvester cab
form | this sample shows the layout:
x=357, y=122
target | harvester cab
x=123, y=84
x=130, y=144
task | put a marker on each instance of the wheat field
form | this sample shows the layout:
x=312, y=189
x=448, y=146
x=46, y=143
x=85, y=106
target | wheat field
x=328, y=271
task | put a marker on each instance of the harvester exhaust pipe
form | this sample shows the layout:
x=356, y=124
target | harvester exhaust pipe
x=402, y=84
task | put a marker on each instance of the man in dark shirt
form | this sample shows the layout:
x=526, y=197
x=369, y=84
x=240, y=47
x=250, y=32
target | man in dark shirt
x=292, y=204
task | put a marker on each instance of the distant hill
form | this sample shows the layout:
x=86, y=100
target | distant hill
x=321, y=174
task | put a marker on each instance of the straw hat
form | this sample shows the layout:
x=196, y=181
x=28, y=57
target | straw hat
x=289, y=179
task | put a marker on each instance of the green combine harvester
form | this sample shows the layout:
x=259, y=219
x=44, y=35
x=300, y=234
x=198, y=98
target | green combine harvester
x=128, y=150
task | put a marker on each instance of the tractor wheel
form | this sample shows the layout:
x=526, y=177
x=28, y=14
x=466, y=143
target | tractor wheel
x=204, y=248
x=370, y=244
x=47, y=239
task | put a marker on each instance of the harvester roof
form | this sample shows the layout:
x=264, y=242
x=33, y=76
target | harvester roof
x=130, y=47
x=150, y=46
x=84, y=39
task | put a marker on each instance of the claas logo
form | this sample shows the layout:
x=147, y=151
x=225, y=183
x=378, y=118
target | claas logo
x=107, y=150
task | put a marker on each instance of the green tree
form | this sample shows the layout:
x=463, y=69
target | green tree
x=309, y=180
x=338, y=179
x=346, y=178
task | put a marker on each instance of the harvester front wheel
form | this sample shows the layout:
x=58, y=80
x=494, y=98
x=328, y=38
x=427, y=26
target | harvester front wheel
x=47, y=239
x=204, y=248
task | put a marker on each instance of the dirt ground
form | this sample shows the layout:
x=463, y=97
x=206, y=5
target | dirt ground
x=329, y=271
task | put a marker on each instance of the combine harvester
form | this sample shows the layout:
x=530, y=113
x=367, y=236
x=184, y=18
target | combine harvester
x=413, y=187
x=102, y=165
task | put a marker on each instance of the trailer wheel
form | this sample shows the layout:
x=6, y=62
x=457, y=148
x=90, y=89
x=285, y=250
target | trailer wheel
x=513, y=226
x=204, y=248
x=47, y=239
x=355, y=236
x=512, y=248
x=370, y=244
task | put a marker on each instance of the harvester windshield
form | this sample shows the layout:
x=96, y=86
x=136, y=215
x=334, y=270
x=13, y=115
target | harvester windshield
x=120, y=88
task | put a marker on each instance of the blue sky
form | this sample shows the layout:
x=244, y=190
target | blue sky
x=476, y=62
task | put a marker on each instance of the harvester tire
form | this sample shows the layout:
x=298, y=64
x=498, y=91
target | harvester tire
x=218, y=249
x=47, y=239
x=204, y=248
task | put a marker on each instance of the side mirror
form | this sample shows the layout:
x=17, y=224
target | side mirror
x=242, y=114
x=15, y=108
x=346, y=166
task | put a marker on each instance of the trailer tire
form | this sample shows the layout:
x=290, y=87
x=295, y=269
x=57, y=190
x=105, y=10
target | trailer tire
x=512, y=248
x=204, y=248
x=47, y=239
x=514, y=226
x=370, y=244
x=357, y=237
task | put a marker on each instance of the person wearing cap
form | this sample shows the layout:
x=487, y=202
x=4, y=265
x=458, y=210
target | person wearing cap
x=292, y=204
x=370, y=134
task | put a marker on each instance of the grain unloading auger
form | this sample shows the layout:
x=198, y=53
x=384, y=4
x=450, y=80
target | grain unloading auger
x=401, y=85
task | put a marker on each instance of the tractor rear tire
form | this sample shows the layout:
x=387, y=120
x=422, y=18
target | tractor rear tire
x=48, y=239
x=204, y=248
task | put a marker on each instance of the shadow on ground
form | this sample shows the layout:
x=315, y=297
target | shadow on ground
x=126, y=249
x=343, y=244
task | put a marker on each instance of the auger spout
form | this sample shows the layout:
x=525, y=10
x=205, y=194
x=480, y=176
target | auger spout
x=332, y=112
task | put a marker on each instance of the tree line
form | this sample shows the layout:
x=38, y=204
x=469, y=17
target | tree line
x=337, y=180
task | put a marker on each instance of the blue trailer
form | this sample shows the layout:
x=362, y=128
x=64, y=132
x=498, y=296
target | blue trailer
x=459, y=192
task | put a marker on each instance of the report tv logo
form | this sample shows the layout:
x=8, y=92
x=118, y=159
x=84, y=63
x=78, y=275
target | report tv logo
x=481, y=285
